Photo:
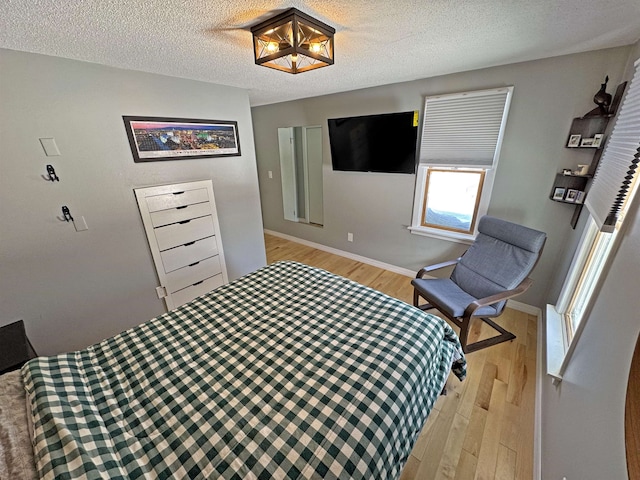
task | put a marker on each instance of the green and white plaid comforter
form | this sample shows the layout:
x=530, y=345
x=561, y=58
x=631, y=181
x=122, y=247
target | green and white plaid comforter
x=290, y=372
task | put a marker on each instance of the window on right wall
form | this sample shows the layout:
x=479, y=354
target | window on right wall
x=459, y=150
x=614, y=186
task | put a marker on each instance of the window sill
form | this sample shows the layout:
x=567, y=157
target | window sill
x=442, y=235
x=555, y=344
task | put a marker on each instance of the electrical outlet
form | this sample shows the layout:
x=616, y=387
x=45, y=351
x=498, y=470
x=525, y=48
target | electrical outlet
x=350, y=237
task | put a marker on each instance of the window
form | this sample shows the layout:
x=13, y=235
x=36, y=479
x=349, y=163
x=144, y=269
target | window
x=451, y=199
x=588, y=264
x=598, y=254
x=461, y=138
x=614, y=186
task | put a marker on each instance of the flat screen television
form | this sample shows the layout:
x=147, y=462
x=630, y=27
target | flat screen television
x=374, y=143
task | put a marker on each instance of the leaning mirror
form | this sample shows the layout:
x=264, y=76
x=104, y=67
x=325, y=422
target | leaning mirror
x=301, y=173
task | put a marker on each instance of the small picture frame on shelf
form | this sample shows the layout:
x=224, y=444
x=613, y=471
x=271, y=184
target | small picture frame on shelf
x=571, y=195
x=566, y=171
x=574, y=141
x=597, y=140
x=580, y=197
x=586, y=142
x=558, y=193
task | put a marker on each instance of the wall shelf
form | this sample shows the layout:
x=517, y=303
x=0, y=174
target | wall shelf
x=570, y=189
x=587, y=132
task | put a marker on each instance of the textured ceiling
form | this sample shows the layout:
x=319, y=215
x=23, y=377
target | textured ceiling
x=377, y=41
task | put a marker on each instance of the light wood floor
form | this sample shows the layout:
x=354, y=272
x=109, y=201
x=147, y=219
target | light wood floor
x=483, y=428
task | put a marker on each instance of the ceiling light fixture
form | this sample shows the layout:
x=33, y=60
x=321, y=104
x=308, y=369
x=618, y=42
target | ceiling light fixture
x=293, y=42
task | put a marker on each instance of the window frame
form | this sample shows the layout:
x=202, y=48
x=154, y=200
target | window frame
x=474, y=217
x=482, y=205
x=578, y=300
x=586, y=274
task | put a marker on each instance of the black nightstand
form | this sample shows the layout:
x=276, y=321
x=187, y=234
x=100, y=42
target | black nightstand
x=15, y=347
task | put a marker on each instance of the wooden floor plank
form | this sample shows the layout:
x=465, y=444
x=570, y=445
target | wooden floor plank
x=485, y=389
x=467, y=466
x=519, y=375
x=423, y=439
x=475, y=366
x=488, y=456
x=473, y=432
x=505, y=464
x=453, y=448
x=524, y=451
x=437, y=440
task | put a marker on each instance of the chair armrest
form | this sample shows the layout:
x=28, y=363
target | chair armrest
x=498, y=297
x=437, y=266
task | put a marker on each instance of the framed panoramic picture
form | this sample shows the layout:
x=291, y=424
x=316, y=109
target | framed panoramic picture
x=157, y=138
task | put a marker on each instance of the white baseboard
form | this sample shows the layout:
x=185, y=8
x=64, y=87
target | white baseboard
x=524, y=307
x=358, y=258
x=537, y=427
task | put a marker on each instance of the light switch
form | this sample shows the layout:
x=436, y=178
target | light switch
x=270, y=174
x=80, y=224
x=50, y=147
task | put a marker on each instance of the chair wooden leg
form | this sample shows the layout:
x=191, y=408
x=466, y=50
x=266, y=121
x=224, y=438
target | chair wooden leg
x=465, y=324
x=416, y=302
x=464, y=332
x=504, y=336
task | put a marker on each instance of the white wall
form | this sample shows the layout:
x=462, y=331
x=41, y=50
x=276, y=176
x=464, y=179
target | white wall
x=376, y=208
x=73, y=289
x=583, y=418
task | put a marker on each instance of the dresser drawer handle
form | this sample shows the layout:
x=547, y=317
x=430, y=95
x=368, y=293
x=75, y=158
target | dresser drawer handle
x=193, y=264
x=178, y=193
x=190, y=243
x=184, y=221
x=180, y=208
x=197, y=283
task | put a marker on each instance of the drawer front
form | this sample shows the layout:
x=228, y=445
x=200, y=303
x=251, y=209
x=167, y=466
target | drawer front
x=184, y=255
x=187, y=294
x=177, y=199
x=177, y=234
x=187, y=276
x=179, y=214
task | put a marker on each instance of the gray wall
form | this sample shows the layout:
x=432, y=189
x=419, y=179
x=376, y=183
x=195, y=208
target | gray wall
x=73, y=289
x=583, y=418
x=377, y=207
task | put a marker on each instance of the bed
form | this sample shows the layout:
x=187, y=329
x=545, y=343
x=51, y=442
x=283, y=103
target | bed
x=290, y=372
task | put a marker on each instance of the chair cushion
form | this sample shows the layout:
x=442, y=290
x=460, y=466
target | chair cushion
x=451, y=297
x=517, y=235
x=501, y=257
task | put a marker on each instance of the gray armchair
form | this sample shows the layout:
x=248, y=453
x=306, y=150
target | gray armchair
x=494, y=269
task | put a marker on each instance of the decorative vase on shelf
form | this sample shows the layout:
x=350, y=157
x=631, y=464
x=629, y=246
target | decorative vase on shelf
x=603, y=99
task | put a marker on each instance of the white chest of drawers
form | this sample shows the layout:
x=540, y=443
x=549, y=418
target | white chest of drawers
x=182, y=229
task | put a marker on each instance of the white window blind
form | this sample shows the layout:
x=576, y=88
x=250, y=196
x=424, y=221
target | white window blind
x=617, y=170
x=464, y=129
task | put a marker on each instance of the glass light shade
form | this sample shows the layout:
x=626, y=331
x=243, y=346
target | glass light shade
x=293, y=42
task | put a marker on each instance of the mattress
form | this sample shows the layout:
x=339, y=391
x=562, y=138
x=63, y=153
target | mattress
x=290, y=372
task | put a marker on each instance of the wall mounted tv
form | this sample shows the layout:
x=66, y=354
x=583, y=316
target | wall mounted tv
x=374, y=143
